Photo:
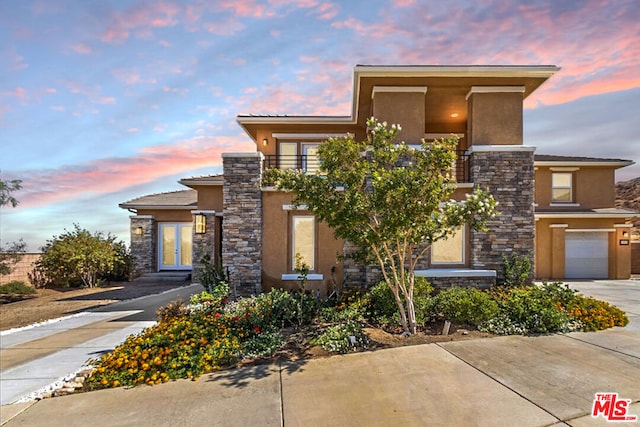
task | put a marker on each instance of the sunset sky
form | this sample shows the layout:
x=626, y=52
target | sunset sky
x=104, y=101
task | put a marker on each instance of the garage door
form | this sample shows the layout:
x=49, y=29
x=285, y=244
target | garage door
x=587, y=255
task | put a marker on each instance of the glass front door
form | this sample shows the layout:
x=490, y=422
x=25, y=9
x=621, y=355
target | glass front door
x=175, y=246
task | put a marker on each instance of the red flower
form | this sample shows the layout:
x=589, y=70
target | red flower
x=217, y=315
x=256, y=329
x=246, y=316
x=224, y=300
x=235, y=319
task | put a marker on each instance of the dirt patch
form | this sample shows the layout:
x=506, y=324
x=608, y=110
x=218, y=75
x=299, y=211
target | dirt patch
x=18, y=310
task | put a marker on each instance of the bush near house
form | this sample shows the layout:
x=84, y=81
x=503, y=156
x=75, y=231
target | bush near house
x=212, y=333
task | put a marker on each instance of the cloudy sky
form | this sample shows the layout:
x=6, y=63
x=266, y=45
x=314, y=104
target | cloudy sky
x=104, y=101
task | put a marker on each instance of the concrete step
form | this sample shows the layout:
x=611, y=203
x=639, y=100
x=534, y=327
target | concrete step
x=165, y=276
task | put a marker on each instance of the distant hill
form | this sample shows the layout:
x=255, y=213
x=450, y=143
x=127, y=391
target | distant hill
x=628, y=197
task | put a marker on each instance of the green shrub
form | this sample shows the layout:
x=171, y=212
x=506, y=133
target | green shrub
x=531, y=310
x=342, y=338
x=384, y=309
x=350, y=305
x=213, y=278
x=17, y=287
x=517, y=270
x=80, y=258
x=594, y=315
x=469, y=306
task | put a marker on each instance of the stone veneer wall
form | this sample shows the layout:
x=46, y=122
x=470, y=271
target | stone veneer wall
x=464, y=282
x=143, y=246
x=242, y=225
x=203, y=244
x=509, y=177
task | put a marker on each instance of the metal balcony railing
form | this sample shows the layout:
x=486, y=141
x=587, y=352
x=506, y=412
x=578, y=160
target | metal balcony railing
x=311, y=164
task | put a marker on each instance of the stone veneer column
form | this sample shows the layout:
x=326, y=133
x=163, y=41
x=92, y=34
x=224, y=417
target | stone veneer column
x=143, y=246
x=242, y=224
x=203, y=243
x=508, y=173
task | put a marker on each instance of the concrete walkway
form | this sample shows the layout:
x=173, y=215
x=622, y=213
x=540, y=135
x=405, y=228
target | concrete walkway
x=504, y=381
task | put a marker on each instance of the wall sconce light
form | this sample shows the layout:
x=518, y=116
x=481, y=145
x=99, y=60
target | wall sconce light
x=265, y=142
x=201, y=223
x=138, y=231
x=625, y=234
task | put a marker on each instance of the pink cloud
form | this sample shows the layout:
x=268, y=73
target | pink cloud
x=107, y=100
x=114, y=174
x=17, y=92
x=327, y=10
x=140, y=17
x=82, y=48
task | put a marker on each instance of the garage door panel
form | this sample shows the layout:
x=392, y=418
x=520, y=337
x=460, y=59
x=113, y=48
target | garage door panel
x=587, y=255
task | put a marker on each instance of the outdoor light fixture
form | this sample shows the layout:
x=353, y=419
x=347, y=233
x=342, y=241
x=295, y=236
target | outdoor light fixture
x=454, y=115
x=201, y=223
x=625, y=234
x=265, y=142
x=138, y=231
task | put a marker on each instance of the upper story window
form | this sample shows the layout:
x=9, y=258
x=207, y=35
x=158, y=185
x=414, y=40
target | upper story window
x=562, y=187
x=298, y=155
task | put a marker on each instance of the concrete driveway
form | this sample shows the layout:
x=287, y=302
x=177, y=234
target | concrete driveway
x=504, y=381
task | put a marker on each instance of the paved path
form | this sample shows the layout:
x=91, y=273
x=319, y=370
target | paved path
x=38, y=358
x=504, y=381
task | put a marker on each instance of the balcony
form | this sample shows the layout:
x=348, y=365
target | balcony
x=311, y=163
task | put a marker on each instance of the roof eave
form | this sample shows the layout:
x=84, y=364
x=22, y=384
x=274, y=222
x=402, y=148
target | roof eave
x=617, y=164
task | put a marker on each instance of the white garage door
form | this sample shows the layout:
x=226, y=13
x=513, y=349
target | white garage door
x=587, y=255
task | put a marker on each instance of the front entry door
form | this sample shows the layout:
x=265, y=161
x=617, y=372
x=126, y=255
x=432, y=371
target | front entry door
x=175, y=246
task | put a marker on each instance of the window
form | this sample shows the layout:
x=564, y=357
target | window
x=561, y=187
x=310, y=162
x=450, y=250
x=288, y=155
x=303, y=234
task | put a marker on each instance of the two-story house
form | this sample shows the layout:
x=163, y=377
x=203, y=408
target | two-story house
x=557, y=211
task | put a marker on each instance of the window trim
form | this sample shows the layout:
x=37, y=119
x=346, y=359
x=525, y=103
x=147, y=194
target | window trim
x=292, y=253
x=562, y=187
x=465, y=246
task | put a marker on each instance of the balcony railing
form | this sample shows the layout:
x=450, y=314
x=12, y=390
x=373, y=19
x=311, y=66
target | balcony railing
x=311, y=164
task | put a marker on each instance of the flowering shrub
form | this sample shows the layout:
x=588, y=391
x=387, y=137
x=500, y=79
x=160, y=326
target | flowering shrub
x=342, y=338
x=595, y=315
x=352, y=304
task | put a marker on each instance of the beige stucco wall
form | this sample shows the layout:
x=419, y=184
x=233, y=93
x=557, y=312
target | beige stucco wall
x=404, y=108
x=494, y=119
x=210, y=197
x=276, y=246
x=168, y=215
x=550, y=246
x=593, y=187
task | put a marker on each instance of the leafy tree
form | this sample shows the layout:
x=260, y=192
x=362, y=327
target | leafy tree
x=6, y=189
x=79, y=257
x=11, y=253
x=389, y=199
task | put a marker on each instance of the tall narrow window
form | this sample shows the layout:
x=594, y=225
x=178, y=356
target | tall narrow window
x=562, y=187
x=288, y=155
x=311, y=162
x=303, y=233
x=449, y=251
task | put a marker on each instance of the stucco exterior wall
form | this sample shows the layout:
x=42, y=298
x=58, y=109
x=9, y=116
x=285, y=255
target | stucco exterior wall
x=550, y=245
x=404, y=108
x=210, y=197
x=167, y=215
x=593, y=187
x=277, y=252
x=494, y=119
